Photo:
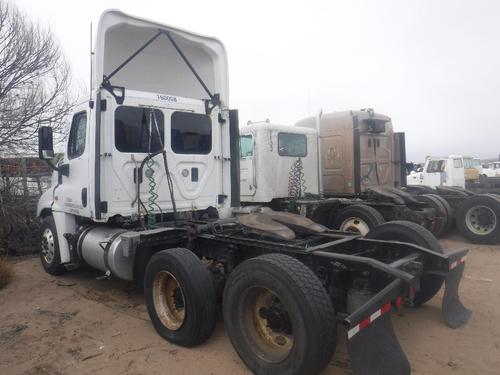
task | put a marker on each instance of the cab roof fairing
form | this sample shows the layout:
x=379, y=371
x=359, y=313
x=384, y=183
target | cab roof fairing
x=158, y=68
x=362, y=115
x=256, y=126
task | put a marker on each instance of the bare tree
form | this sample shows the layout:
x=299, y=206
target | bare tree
x=34, y=81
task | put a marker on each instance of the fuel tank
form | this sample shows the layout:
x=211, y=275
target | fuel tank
x=105, y=249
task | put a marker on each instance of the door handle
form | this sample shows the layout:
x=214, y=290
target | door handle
x=84, y=197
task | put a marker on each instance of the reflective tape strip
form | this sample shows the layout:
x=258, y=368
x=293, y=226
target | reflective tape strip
x=353, y=331
x=375, y=315
x=367, y=321
x=457, y=262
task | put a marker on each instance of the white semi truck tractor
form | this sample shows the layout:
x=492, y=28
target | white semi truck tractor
x=148, y=191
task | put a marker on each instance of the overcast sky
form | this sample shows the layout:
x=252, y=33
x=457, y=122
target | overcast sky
x=432, y=66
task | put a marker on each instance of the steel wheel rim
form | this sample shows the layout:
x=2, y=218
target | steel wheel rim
x=356, y=225
x=48, y=247
x=481, y=220
x=169, y=301
x=261, y=311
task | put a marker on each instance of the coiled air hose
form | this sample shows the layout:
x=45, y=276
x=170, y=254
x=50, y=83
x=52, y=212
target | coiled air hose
x=149, y=173
x=153, y=196
x=296, y=183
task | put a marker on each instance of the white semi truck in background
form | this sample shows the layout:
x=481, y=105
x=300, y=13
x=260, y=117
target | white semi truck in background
x=347, y=170
x=148, y=191
x=492, y=169
x=453, y=170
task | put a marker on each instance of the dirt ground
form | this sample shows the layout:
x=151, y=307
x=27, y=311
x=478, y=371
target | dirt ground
x=76, y=324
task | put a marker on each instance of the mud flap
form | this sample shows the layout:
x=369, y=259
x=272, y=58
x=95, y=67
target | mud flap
x=376, y=350
x=454, y=312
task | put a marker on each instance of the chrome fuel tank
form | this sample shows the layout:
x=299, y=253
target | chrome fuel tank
x=103, y=248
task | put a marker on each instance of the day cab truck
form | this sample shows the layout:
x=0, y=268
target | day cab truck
x=148, y=191
x=453, y=170
x=347, y=171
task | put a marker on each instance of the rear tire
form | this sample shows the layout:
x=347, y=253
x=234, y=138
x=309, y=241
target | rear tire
x=413, y=233
x=449, y=211
x=180, y=297
x=357, y=218
x=49, y=251
x=478, y=219
x=279, y=316
x=441, y=223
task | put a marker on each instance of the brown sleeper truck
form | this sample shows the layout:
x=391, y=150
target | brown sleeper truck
x=148, y=191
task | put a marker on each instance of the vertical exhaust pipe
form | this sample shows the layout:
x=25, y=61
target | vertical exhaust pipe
x=234, y=149
x=318, y=148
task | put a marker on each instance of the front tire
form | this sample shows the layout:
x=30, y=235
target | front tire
x=180, y=297
x=406, y=231
x=279, y=316
x=50, y=255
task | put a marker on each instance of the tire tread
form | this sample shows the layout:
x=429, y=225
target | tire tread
x=202, y=288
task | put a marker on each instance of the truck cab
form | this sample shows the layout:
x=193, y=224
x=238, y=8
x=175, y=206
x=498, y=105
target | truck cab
x=360, y=150
x=154, y=137
x=492, y=169
x=472, y=169
x=440, y=171
x=273, y=157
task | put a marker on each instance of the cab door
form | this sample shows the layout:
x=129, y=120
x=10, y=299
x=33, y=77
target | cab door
x=434, y=173
x=195, y=158
x=72, y=192
x=247, y=165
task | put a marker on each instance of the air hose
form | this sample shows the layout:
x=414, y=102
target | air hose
x=153, y=196
x=149, y=173
x=296, y=183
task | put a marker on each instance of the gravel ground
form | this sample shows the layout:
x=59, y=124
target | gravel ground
x=75, y=324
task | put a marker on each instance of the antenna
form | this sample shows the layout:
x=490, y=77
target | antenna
x=91, y=54
x=308, y=102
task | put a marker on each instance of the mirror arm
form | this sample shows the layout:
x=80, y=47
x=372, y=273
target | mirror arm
x=63, y=169
x=51, y=165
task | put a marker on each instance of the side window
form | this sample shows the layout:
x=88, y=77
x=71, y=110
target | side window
x=290, y=144
x=436, y=166
x=191, y=133
x=246, y=145
x=77, y=134
x=139, y=129
x=457, y=163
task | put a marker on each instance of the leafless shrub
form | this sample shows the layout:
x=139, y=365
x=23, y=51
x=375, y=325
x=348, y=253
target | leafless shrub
x=22, y=181
x=5, y=272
